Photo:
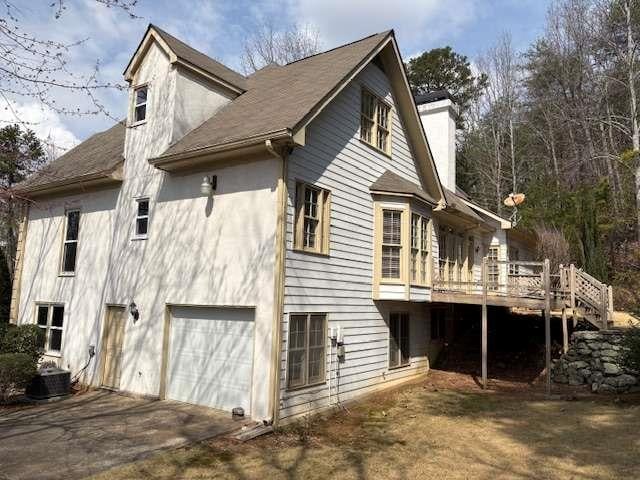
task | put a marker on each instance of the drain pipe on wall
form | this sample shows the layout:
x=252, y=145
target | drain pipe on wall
x=278, y=304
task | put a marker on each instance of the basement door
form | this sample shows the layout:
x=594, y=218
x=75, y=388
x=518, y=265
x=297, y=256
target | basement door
x=112, y=338
x=211, y=357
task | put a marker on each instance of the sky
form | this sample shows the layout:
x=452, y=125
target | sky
x=219, y=28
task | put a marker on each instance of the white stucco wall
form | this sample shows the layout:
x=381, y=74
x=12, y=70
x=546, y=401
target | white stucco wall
x=218, y=251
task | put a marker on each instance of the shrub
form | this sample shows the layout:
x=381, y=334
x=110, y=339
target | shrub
x=25, y=339
x=631, y=352
x=16, y=371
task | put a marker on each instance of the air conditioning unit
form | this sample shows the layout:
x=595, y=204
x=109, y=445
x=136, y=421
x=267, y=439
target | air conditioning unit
x=49, y=382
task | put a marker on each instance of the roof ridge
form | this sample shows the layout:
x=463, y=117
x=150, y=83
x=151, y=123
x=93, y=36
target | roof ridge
x=386, y=32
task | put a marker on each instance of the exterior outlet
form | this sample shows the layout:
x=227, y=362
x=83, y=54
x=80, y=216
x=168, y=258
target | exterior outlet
x=438, y=115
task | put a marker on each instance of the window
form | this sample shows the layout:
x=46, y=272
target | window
x=312, y=219
x=419, y=248
x=142, y=217
x=70, y=247
x=375, y=121
x=139, y=104
x=438, y=323
x=442, y=255
x=399, y=340
x=493, y=272
x=514, y=256
x=50, y=319
x=307, y=339
x=391, y=243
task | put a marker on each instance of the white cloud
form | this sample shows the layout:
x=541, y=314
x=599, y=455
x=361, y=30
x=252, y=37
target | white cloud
x=417, y=23
x=46, y=124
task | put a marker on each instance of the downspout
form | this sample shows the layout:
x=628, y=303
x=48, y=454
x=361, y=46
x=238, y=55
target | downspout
x=278, y=304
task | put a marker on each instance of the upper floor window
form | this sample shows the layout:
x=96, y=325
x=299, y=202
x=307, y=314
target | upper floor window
x=391, y=243
x=140, y=104
x=307, y=340
x=142, y=217
x=312, y=219
x=50, y=319
x=514, y=256
x=493, y=270
x=70, y=245
x=375, y=121
x=419, y=248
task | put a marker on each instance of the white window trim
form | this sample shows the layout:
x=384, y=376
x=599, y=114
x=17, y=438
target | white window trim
x=133, y=122
x=49, y=327
x=62, y=272
x=145, y=236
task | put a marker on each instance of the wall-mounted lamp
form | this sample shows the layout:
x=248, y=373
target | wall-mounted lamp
x=133, y=310
x=208, y=185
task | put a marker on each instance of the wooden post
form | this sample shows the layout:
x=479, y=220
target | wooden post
x=565, y=331
x=604, y=310
x=484, y=322
x=547, y=321
x=610, y=302
x=572, y=289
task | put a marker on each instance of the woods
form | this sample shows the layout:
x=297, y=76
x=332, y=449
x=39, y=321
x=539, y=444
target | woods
x=559, y=122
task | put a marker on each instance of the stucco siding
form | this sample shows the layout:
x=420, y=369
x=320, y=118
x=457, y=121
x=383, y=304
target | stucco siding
x=340, y=284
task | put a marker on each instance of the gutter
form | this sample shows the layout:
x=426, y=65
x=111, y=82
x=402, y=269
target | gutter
x=254, y=141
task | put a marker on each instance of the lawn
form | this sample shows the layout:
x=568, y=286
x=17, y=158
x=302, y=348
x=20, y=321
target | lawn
x=424, y=431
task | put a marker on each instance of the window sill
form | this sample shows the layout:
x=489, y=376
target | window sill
x=303, y=387
x=137, y=124
x=52, y=354
x=391, y=281
x=398, y=367
x=375, y=149
x=67, y=274
x=139, y=237
x=311, y=252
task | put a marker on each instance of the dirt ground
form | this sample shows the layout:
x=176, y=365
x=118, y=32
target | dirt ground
x=441, y=427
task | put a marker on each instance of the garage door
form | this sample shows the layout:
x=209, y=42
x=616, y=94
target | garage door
x=211, y=357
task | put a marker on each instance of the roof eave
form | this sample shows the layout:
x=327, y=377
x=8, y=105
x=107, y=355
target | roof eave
x=90, y=181
x=194, y=158
x=429, y=201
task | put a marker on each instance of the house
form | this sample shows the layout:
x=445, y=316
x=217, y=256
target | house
x=278, y=242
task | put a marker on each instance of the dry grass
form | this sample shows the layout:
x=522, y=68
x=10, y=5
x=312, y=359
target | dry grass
x=423, y=432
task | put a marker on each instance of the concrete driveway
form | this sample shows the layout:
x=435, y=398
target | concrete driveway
x=89, y=433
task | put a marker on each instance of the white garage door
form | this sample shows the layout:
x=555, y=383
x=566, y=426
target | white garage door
x=211, y=357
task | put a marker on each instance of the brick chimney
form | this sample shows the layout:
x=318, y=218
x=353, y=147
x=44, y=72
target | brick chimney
x=438, y=114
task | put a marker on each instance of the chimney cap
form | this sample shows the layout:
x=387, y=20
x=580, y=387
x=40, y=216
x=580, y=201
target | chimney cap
x=434, y=96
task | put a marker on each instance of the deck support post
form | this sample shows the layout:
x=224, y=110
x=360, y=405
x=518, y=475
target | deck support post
x=546, y=277
x=565, y=331
x=484, y=322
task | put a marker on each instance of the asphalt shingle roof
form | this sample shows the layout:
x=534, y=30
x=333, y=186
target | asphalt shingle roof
x=101, y=152
x=394, y=183
x=279, y=97
x=191, y=55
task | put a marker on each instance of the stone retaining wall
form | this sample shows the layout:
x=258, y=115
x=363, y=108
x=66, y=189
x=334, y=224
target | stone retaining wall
x=594, y=359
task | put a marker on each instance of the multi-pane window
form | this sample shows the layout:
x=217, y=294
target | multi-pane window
x=419, y=248
x=442, y=255
x=307, y=341
x=50, y=319
x=438, y=323
x=470, y=260
x=493, y=270
x=399, y=340
x=142, y=217
x=514, y=256
x=312, y=218
x=70, y=246
x=391, y=243
x=375, y=121
x=140, y=104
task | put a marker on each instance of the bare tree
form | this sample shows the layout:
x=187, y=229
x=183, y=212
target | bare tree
x=270, y=45
x=35, y=68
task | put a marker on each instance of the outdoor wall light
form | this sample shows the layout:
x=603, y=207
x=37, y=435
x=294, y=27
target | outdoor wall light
x=133, y=310
x=208, y=185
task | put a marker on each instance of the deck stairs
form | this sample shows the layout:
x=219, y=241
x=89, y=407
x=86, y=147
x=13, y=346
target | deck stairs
x=587, y=296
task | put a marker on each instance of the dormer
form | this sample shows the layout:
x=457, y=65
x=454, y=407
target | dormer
x=173, y=88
